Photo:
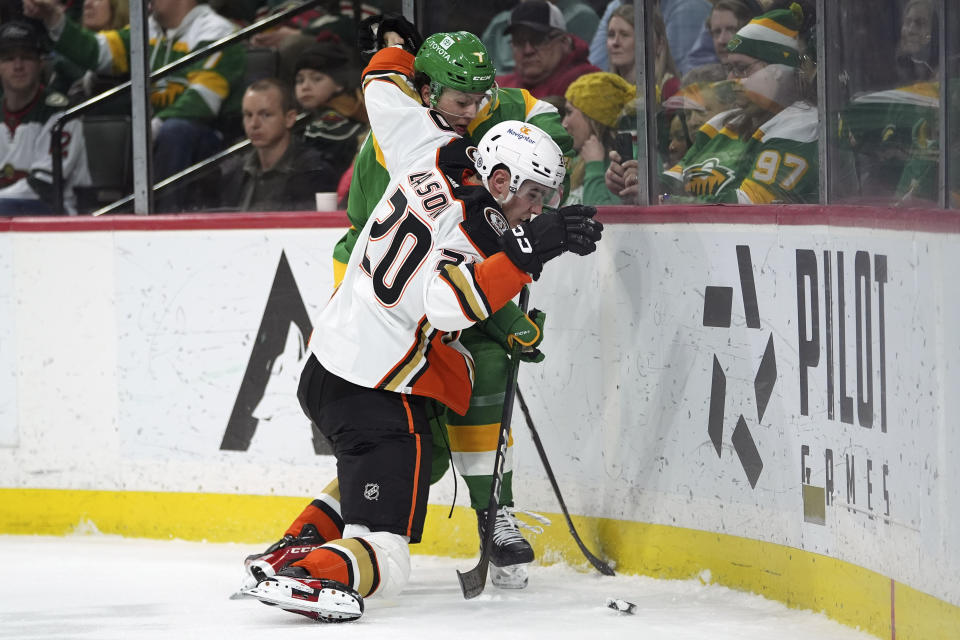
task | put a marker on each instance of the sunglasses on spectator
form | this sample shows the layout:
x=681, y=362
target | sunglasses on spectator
x=742, y=70
x=534, y=38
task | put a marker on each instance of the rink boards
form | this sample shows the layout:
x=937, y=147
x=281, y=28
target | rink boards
x=765, y=394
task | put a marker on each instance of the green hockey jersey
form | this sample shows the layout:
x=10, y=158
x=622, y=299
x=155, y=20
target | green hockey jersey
x=200, y=91
x=710, y=171
x=781, y=160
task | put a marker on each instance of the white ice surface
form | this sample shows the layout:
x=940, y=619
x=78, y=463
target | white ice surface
x=110, y=588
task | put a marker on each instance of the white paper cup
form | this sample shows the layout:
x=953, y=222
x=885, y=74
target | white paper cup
x=327, y=201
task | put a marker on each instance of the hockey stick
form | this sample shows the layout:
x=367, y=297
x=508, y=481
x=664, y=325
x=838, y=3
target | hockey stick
x=472, y=582
x=599, y=564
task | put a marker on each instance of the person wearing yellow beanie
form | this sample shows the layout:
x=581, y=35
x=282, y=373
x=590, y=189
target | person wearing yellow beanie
x=595, y=102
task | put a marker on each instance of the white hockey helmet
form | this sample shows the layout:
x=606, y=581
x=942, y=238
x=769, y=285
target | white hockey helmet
x=526, y=151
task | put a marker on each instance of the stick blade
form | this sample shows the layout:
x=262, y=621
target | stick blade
x=472, y=582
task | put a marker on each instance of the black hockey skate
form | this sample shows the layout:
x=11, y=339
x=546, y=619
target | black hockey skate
x=509, y=552
x=294, y=590
x=280, y=554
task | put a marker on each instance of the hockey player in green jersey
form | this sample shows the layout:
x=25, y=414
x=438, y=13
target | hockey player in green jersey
x=454, y=76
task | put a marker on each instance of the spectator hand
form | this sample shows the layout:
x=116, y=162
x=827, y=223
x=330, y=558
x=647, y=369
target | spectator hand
x=613, y=177
x=48, y=11
x=622, y=179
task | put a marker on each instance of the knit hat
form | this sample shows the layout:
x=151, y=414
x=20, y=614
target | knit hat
x=334, y=59
x=601, y=96
x=538, y=15
x=771, y=37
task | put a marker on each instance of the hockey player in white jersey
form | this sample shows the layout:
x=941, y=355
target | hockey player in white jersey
x=452, y=240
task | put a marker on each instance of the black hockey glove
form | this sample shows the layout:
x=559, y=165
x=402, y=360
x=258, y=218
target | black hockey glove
x=372, y=30
x=571, y=228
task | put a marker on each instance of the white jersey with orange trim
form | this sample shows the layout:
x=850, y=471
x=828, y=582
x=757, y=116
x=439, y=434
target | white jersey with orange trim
x=420, y=271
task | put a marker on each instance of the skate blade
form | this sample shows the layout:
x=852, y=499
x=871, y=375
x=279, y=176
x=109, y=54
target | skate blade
x=330, y=605
x=510, y=577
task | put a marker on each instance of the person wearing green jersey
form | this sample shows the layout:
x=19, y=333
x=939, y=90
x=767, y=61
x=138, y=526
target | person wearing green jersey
x=733, y=157
x=453, y=76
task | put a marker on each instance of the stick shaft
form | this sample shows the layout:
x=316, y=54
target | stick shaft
x=472, y=582
x=599, y=564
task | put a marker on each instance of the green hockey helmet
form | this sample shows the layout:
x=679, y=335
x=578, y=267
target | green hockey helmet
x=457, y=60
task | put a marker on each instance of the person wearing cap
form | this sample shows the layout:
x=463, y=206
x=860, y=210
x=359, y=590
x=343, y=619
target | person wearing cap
x=734, y=157
x=29, y=113
x=548, y=57
x=580, y=18
x=594, y=104
x=280, y=173
x=327, y=85
x=189, y=107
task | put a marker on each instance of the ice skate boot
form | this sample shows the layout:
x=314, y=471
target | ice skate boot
x=294, y=590
x=280, y=555
x=510, y=553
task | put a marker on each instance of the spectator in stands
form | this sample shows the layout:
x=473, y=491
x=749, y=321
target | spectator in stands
x=622, y=55
x=918, y=50
x=692, y=106
x=328, y=85
x=186, y=105
x=280, y=173
x=595, y=102
x=80, y=84
x=331, y=21
x=548, y=58
x=763, y=150
x=580, y=19
x=29, y=112
x=104, y=15
x=726, y=18
x=683, y=19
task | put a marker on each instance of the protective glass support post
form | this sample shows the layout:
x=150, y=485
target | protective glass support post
x=831, y=95
x=823, y=135
x=946, y=64
x=647, y=169
x=140, y=109
x=408, y=10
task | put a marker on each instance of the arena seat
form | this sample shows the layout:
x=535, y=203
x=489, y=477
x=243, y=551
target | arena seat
x=109, y=157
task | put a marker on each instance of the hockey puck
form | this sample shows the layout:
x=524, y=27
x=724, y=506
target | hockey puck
x=621, y=606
